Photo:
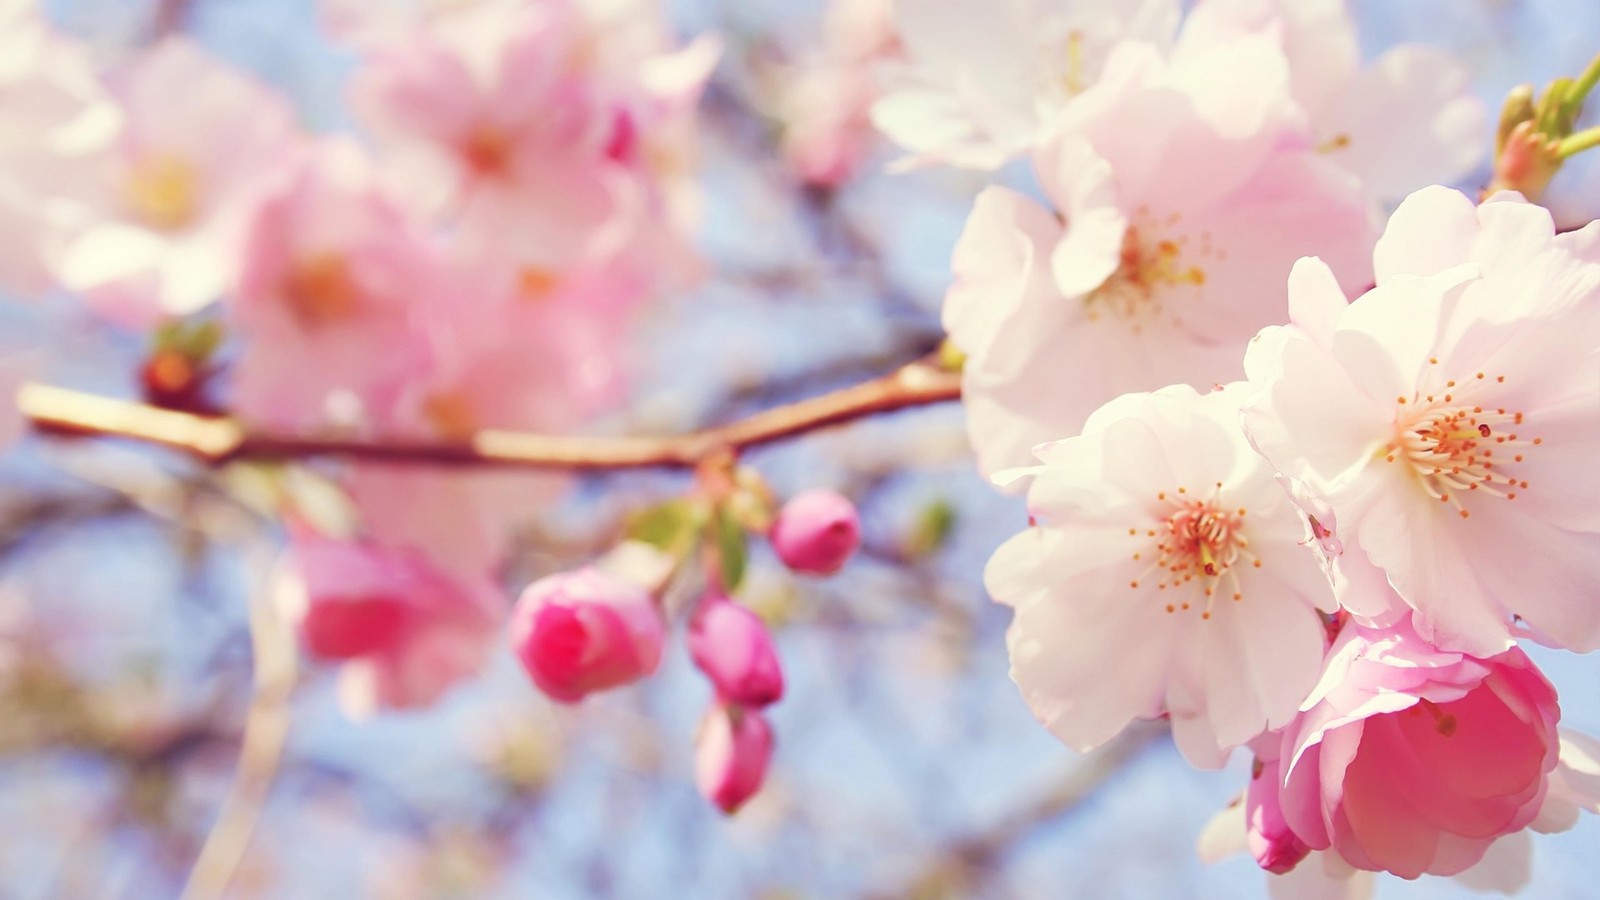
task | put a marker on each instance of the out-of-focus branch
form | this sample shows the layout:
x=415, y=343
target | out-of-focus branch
x=168, y=17
x=266, y=732
x=962, y=866
x=220, y=439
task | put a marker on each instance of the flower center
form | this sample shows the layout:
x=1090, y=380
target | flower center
x=321, y=290
x=1457, y=449
x=1151, y=267
x=537, y=283
x=1197, y=541
x=487, y=151
x=163, y=191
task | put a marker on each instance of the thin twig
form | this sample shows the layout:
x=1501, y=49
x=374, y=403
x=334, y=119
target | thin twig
x=961, y=867
x=266, y=732
x=221, y=439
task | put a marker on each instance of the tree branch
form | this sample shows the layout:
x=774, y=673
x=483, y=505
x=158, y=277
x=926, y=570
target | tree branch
x=220, y=439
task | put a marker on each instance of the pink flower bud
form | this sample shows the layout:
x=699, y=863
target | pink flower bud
x=732, y=646
x=1413, y=760
x=731, y=755
x=816, y=532
x=1275, y=847
x=585, y=631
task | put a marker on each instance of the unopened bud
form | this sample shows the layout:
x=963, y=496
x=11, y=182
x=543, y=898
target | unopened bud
x=1527, y=162
x=1518, y=108
x=731, y=755
x=816, y=532
x=584, y=631
x=732, y=646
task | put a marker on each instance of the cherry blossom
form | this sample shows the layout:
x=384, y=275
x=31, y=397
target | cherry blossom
x=1412, y=760
x=163, y=237
x=531, y=118
x=405, y=629
x=1447, y=418
x=982, y=82
x=826, y=99
x=1505, y=866
x=1187, y=191
x=1405, y=120
x=1163, y=552
x=331, y=299
x=56, y=125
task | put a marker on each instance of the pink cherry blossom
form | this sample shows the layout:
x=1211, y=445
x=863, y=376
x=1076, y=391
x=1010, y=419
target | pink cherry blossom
x=1188, y=191
x=1405, y=120
x=405, y=629
x=464, y=518
x=330, y=301
x=522, y=348
x=731, y=753
x=1447, y=419
x=816, y=532
x=1412, y=760
x=585, y=631
x=732, y=646
x=1162, y=576
x=164, y=236
x=1505, y=867
x=532, y=119
x=826, y=97
x=56, y=125
x=981, y=83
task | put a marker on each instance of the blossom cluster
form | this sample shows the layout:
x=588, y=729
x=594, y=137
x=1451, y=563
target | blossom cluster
x=469, y=253
x=1322, y=541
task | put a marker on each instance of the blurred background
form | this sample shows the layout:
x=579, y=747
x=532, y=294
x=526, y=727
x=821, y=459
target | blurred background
x=907, y=765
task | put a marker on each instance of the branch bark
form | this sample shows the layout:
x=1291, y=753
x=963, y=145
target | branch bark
x=216, y=440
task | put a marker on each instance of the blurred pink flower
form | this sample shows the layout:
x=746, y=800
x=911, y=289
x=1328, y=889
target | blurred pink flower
x=731, y=754
x=732, y=646
x=1413, y=760
x=1406, y=120
x=1183, y=194
x=56, y=126
x=406, y=630
x=584, y=631
x=164, y=236
x=1447, y=418
x=330, y=300
x=825, y=98
x=982, y=83
x=1164, y=552
x=528, y=119
x=816, y=532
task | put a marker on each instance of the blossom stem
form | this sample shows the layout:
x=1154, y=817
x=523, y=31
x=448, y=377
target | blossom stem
x=216, y=440
x=1585, y=82
x=1574, y=144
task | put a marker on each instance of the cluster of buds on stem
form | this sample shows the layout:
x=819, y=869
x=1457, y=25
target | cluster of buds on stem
x=1537, y=133
x=601, y=627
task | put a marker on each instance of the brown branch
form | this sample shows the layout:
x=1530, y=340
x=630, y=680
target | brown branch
x=220, y=439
